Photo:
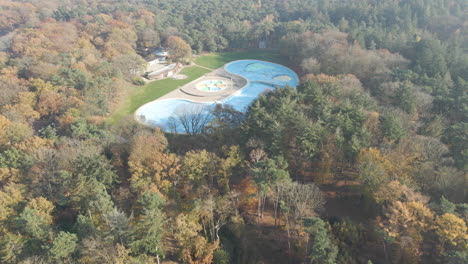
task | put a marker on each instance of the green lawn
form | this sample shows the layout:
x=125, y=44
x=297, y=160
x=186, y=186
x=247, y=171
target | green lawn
x=216, y=60
x=152, y=91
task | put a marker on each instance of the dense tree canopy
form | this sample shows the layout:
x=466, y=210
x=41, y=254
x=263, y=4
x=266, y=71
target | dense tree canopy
x=366, y=160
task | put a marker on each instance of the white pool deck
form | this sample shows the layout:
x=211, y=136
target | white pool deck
x=190, y=92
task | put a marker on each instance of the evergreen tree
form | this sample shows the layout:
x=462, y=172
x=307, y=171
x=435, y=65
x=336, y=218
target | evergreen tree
x=323, y=249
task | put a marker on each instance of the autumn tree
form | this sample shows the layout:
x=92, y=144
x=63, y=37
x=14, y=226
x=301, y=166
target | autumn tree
x=51, y=103
x=31, y=43
x=395, y=191
x=407, y=222
x=10, y=85
x=452, y=232
x=151, y=166
x=178, y=49
x=335, y=55
x=121, y=39
x=4, y=130
x=194, y=248
x=94, y=250
x=11, y=195
x=231, y=165
x=373, y=169
x=248, y=189
x=199, y=168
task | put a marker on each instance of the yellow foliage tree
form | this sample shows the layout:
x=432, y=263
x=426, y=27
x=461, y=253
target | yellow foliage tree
x=43, y=207
x=395, y=191
x=12, y=132
x=199, y=167
x=11, y=195
x=22, y=112
x=9, y=175
x=227, y=165
x=374, y=169
x=27, y=98
x=407, y=216
x=32, y=144
x=120, y=41
x=406, y=222
x=452, y=231
x=41, y=86
x=4, y=125
x=150, y=165
x=31, y=42
x=195, y=249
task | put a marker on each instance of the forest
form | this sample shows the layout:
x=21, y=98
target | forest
x=366, y=161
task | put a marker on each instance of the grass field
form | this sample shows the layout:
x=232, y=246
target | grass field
x=216, y=60
x=141, y=95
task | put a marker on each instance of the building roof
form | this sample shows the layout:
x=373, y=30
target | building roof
x=163, y=70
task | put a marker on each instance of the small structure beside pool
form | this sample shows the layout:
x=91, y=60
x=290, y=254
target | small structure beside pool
x=163, y=71
x=237, y=84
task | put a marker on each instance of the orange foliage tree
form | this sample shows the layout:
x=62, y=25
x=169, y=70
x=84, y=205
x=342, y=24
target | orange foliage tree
x=152, y=168
x=178, y=49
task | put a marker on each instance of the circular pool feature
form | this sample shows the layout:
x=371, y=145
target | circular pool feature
x=211, y=86
x=282, y=78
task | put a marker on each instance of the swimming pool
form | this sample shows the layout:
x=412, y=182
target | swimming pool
x=172, y=115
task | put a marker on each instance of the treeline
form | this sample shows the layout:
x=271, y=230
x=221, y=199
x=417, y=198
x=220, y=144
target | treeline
x=215, y=25
x=383, y=96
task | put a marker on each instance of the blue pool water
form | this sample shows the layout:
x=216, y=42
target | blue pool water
x=165, y=113
x=254, y=70
x=168, y=114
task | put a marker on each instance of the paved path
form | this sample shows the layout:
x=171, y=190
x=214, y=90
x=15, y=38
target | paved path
x=203, y=67
x=189, y=91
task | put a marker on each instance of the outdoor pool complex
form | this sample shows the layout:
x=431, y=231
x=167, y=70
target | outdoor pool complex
x=261, y=77
x=211, y=86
